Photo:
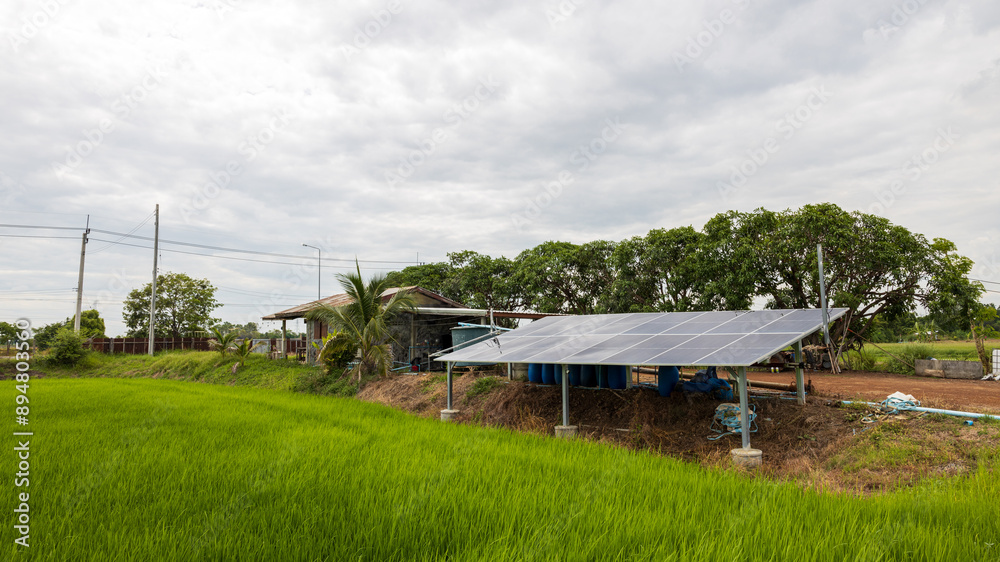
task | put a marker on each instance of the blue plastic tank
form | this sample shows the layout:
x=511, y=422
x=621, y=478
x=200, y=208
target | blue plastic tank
x=548, y=373
x=535, y=373
x=667, y=379
x=617, y=380
x=602, y=376
x=574, y=375
x=558, y=373
x=588, y=376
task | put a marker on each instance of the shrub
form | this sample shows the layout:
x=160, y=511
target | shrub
x=337, y=352
x=67, y=348
x=859, y=360
x=908, y=354
x=484, y=385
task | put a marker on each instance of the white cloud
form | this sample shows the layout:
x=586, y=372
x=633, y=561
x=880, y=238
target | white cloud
x=187, y=89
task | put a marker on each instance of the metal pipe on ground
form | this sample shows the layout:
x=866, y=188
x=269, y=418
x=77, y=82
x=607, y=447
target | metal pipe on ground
x=790, y=387
x=955, y=413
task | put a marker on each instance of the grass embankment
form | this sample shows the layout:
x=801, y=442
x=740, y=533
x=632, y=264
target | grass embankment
x=160, y=470
x=197, y=366
x=899, y=357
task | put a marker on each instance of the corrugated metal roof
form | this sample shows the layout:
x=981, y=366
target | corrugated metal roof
x=436, y=300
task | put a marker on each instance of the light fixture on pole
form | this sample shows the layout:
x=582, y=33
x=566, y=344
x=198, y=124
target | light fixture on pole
x=319, y=270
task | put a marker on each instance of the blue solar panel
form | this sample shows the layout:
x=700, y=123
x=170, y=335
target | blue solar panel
x=725, y=338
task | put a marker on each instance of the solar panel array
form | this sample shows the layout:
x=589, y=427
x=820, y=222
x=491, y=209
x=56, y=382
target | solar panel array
x=722, y=338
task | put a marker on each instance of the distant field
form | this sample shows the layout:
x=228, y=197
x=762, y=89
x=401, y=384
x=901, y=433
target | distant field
x=957, y=350
x=900, y=357
x=125, y=469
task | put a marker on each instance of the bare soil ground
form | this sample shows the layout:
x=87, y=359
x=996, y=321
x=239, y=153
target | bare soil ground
x=952, y=394
x=821, y=444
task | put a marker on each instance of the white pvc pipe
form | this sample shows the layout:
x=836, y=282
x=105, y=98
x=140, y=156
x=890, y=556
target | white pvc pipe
x=956, y=413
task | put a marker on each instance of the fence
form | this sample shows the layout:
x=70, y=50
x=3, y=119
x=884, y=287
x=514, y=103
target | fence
x=138, y=346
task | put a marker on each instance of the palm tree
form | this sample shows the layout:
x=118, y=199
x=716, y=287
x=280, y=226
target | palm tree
x=365, y=321
x=245, y=348
x=221, y=342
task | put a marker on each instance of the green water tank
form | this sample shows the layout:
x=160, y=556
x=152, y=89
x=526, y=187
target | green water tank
x=462, y=335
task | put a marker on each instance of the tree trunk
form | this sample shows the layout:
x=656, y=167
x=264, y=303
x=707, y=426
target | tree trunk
x=984, y=359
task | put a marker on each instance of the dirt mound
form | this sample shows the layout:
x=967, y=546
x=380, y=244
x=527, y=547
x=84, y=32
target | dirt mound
x=791, y=437
x=818, y=444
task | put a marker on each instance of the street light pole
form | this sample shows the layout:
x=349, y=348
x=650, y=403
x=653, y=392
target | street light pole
x=319, y=295
x=319, y=270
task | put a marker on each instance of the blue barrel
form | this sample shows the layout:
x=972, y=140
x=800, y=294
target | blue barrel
x=667, y=379
x=602, y=376
x=557, y=370
x=535, y=372
x=548, y=373
x=574, y=375
x=617, y=379
x=588, y=376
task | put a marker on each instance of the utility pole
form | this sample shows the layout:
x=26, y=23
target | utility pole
x=822, y=296
x=79, y=282
x=152, y=297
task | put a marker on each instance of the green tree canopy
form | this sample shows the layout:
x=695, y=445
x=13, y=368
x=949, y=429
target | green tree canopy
x=486, y=282
x=183, y=305
x=565, y=277
x=883, y=273
x=658, y=272
x=8, y=334
x=872, y=267
x=91, y=324
x=439, y=277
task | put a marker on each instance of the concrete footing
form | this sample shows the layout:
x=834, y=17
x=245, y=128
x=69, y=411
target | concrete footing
x=447, y=415
x=566, y=431
x=749, y=458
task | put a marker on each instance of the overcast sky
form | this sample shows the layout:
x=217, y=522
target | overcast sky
x=392, y=130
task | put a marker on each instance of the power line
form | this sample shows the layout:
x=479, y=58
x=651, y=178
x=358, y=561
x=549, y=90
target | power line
x=35, y=299
x=237, y=250
x=985, y=281
x=42, y=227
x=260, y=294
x=230, y=257
x=140, y=225
x=259, y=304
x=33, y=236
x=35, y=292
x=204, y=246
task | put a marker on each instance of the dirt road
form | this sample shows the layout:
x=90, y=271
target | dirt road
x=968, y=395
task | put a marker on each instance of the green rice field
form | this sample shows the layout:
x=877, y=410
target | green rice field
x=140, y=469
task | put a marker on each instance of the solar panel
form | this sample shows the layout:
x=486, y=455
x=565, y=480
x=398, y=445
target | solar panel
x=724, y=338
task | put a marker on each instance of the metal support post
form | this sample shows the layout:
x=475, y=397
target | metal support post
x=449, y=386
x=565, y=395
x=744, y=412
x=284, y=339
x=800, y=388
